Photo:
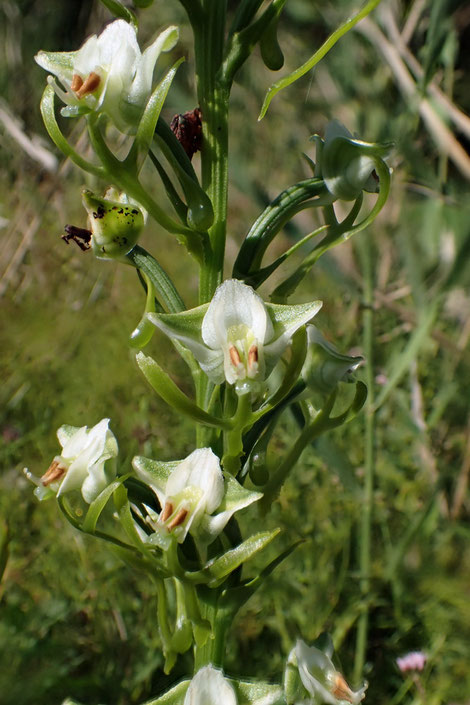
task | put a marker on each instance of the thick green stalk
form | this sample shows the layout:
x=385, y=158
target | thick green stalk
x=369, y=460
x=213, y=98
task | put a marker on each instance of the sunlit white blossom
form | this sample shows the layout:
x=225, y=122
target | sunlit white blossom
x=109, y=74
x=86, y=462
x=189, y=492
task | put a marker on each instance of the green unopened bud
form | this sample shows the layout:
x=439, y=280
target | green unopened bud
x=115, y=223
x=348, y=164
x=324, y=366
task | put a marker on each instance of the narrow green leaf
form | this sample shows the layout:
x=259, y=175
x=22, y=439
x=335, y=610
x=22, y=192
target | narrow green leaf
x=169, y=392
x=221, y=567
x=144, y=261
x=317, y=56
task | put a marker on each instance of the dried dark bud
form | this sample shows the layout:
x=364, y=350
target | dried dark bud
x=187, y=129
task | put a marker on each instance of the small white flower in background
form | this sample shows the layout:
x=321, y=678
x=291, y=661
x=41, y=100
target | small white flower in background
x=209, y=687
x=189, y=491
x=414, y=661
x=86, y=462
x=321, y=680
x=108, y=74
x=236, y=337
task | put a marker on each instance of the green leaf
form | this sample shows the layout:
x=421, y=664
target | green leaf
x=169, y=392
x=317, y=56
x=224, y=565
x=305, y=194
x=48, y=115
x=256, y=693
x=144, y=261
x=175, y=696
x=4, y=547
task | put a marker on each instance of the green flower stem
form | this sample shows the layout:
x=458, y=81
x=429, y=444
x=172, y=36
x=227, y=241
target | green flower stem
x=213, y=98
x=320, y=423
x=369, y=462
x=242, y=419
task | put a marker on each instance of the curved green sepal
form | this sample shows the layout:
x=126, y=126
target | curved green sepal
x=48, y=116
x=146, y=130
x=169, y=392
x=317, y=56
x=98, y=504
x=143, y=332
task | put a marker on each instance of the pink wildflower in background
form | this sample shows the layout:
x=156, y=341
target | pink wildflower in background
x=414, y=661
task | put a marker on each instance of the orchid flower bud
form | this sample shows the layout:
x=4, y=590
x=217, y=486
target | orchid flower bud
x=109, y=74
x=348, y=164
x=114, y=222
x=324, y=366
x=86, y=463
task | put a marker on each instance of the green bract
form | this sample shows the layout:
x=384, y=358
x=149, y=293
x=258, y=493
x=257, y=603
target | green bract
x=236, y=337
x=86, y=462
x=115, y=223
x=347, y=164
x=189, y=492
x=109, y=74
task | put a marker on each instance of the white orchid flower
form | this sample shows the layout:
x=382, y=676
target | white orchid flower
x=189, y=492
x=236, y=337
x=86, y=462
x=322, y=681
x=209, y=687
x=109, y=74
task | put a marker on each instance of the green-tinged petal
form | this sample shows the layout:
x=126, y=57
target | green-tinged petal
x=154, y=473
x=286, y=321
x=59, y=63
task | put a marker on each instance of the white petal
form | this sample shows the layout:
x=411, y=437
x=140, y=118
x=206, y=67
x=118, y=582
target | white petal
x=201, y=469
x=209, y=687
x=118, y=42
x=142, y=83
x=87, y=57
x=233, y=304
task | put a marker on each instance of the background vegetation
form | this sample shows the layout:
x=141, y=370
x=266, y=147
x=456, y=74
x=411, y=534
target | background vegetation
x=73, y=619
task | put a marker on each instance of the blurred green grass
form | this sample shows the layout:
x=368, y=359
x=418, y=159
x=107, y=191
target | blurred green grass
x=73, y=619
